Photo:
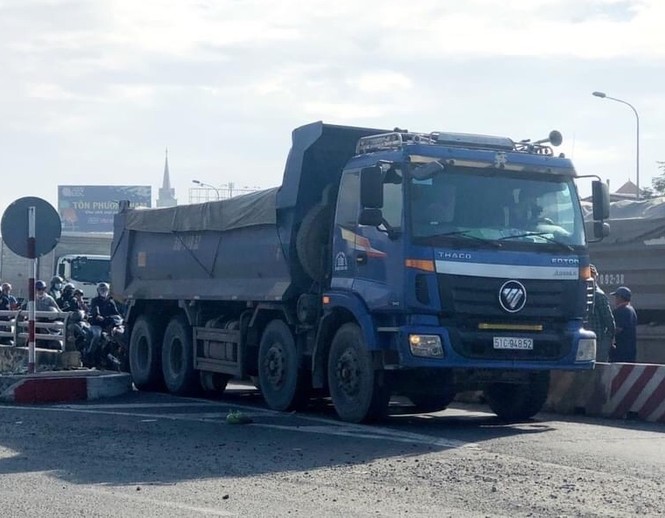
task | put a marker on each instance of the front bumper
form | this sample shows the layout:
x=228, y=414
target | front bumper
x=567, y=347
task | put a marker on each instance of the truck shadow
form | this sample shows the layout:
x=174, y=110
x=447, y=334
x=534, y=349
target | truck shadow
x=158, y=439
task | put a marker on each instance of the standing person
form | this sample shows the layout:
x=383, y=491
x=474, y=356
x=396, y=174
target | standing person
x=7, y=300
x=44, y=302
x=601, y=320
x=55, y=289
x=7, y=303
x=625, y=317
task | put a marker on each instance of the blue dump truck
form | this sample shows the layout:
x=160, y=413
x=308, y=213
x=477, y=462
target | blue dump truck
x=387, y=263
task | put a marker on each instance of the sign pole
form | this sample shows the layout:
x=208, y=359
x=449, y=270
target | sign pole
x=31, y=288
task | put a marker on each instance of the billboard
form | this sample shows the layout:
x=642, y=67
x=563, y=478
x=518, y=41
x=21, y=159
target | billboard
x=90, y=208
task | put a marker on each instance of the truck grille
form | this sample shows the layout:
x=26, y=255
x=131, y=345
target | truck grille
x=479, y=297
x=468, y=301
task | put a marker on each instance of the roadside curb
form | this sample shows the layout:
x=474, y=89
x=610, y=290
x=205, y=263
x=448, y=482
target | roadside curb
x=60, y=387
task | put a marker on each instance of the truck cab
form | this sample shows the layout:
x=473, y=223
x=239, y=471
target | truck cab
x=470, y=253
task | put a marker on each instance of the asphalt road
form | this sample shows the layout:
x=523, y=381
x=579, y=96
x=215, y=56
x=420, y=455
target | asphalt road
x=148, y=455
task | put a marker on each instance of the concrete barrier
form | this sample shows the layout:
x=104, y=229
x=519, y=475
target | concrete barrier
x=64, y=386
x=616, y=390
x=636, y=390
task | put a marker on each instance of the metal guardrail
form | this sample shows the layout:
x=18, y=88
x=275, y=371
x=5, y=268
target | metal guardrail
x=49, y=325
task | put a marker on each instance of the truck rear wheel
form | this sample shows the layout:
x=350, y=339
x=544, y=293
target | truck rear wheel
x=281, y=380
x=518, y=401
x=145, y=355
x=358, y=391
x=180, y=377
x=312, y=239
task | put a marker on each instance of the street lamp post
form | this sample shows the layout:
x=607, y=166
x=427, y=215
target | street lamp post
x=203, y=184
x=603, y=95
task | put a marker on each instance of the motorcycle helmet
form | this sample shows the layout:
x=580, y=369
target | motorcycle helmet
x=6, y=286
x=56, y=282
x=103, y=289
x=40, y=285
x=68, y=287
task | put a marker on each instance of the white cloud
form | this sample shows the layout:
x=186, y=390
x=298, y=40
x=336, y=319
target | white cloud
x=104, y=86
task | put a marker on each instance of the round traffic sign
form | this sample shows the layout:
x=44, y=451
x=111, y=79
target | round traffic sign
x=14, y=226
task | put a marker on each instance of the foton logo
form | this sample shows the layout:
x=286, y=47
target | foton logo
x=512, y=296
x=565, y=260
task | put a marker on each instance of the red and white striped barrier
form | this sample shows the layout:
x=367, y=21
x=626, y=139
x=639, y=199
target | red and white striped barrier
x=638, y=389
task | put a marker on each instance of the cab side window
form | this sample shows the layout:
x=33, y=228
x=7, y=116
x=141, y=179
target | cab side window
x=348, y=200
x=393, y=203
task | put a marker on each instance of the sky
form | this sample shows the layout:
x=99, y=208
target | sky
x=92, y=92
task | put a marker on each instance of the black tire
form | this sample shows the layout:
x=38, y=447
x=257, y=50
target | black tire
x=180, y=377
x=281, y=380
x=312, y=241
x=145, y=355
x=213, y=383
x=518, y=401
x=428, y=403
x=358, y=392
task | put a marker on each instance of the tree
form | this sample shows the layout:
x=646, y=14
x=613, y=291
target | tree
x=658, y=182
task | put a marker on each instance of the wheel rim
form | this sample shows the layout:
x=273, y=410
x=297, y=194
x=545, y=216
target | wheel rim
x=142, y=353
x=347, y=373
x=274, y=365
x=175, y=356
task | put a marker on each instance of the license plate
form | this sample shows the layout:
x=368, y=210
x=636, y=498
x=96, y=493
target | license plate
x=513, y=342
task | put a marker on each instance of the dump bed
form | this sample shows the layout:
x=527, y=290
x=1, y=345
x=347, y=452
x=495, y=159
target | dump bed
x=237, y=249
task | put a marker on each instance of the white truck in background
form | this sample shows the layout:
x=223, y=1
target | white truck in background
x=81, y=258
x=84, y=271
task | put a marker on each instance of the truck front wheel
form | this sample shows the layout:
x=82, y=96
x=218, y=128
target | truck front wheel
x=281, y=380
x=519, y=401
x=178, y=358
x=145, y=355
x=358, y=391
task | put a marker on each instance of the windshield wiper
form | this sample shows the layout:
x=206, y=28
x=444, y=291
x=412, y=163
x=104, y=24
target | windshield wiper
x=539, y=234
x=468, y=235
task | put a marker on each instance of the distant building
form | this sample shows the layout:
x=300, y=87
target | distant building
x=166, y=196
x=627, y=191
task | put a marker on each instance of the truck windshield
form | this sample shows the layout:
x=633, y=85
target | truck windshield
x=91, y=270
x=495, y=207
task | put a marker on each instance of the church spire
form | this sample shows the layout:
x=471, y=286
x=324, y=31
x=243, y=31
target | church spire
x=166, y=193
x=166, y=183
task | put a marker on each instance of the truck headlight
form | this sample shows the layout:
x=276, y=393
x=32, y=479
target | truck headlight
x=428, y=346
x=586, y=350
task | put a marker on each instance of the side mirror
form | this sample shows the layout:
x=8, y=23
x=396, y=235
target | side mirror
x=601, y=229
x=601, y=201
x=371, y=187
x=371, y=217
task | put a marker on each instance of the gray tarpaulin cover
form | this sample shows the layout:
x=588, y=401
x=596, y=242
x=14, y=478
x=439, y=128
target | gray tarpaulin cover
x=257, y=208
x=633, y=220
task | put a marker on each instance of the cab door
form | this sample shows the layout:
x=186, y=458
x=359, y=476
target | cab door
x=379, y=262
x=345, y=231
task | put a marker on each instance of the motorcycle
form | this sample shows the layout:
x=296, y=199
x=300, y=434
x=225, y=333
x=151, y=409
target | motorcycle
x=102, y=347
